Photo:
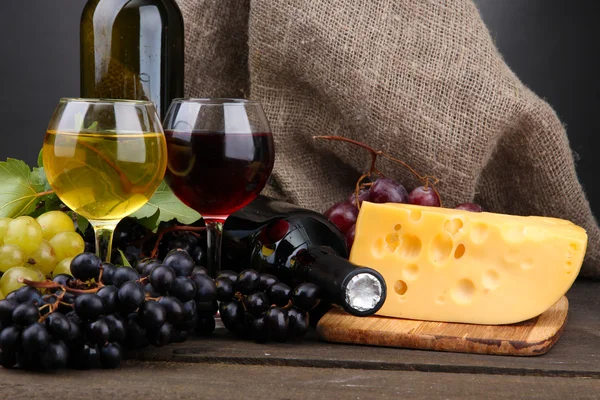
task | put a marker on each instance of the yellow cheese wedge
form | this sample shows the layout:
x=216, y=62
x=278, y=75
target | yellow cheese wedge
x=458, y=266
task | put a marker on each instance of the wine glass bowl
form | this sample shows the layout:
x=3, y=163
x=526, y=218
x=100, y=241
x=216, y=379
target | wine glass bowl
x=104, y=159
x=221, y=155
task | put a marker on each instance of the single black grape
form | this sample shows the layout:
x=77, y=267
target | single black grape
x=35, y=338
x=131, y=296
x=162, y=336
x=116, y=325
x=231, y=275
x=162, y=277
x=279, y=294
x=183, y=288
x=258, y=331
x=30, y=295
x=25, y=314
x=108, y=270
x=256, y=303
x=8, y=359
x=54, y=356
x=180, y=261
x=265, y=281
x=207, y=308
x=10, y=339
x=173, y=307
x=152, y=315
x=124, y=274
x=276, y=323
x=247, y=281
x=180, y=244
x=199, y=255
x=206, y=290
x=110, y=355
x=224, y=289
x=88, y=306
x=110, y=298
x=98, y=332
x=199, y=270
x=306, y=296
x=205, y=326
x=62, y=279
x=6, y=310
x=298, y=322
x=141, y=264
x=58, y=326
x=86, y=266
x=149, y=267
x=189, y=310
x=232, y=314
x=75, y=337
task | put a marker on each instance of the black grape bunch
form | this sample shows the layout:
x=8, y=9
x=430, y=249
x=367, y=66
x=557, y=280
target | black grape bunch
x=258, y=307
x=92, y=318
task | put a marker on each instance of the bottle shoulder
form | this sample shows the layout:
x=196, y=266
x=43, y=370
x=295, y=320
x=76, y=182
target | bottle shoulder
x=110, y=10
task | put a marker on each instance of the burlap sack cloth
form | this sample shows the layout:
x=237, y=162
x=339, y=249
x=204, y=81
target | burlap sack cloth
x=421, y=80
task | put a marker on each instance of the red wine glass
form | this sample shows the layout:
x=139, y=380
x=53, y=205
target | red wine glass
x=220, y=156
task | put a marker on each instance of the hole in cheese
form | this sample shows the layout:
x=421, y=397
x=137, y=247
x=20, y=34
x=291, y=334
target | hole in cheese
x=416, y=215
x=463, y=292
x=378, y=248
x=514, y=233
x=410, y=247
x=527, y=264
x=490, y=279
x=460, y=251
x=392, y=242
x=411, y=272
x=452, y=226
x=400, y=287
x=441, y=247
x=479, y=233
x=397, y=227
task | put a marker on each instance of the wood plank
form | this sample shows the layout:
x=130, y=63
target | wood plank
x=152, y=381
x=576, y=353
x=533, y=337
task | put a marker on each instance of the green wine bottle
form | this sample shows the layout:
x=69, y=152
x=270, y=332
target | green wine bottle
x=132, y=49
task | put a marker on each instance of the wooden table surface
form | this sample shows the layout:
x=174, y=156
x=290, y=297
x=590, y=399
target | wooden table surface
x=227, y=368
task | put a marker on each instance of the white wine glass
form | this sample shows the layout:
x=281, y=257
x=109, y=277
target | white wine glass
x=104, y=159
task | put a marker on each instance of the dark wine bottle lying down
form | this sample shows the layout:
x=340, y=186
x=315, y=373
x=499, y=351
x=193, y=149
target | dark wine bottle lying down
x=298, y=245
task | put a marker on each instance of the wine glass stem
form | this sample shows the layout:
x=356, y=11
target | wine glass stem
x=214, y=235
x=104, y=235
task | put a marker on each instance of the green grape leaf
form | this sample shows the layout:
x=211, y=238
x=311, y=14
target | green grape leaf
x=150, y=222
x=20, y=189
x=82, y=223
x=168, y=207
x=124, y=259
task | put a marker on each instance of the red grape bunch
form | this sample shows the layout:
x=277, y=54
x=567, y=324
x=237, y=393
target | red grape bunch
x=383, y=190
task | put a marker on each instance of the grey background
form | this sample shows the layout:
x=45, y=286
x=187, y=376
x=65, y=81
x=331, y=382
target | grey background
x=552, y=45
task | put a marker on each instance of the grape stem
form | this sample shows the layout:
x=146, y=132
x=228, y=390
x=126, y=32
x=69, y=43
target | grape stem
x=426, y=179
x=54, y=285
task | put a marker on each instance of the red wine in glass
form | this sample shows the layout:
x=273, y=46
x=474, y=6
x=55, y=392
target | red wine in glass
x=217, y=173
x=220, y=156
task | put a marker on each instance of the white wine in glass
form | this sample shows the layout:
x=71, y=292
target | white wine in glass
x=104, y=159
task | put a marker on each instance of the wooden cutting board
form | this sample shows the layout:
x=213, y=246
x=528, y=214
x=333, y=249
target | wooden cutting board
x=529, y=338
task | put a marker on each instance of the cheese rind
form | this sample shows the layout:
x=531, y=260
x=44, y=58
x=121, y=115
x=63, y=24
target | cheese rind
x=458, y=266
